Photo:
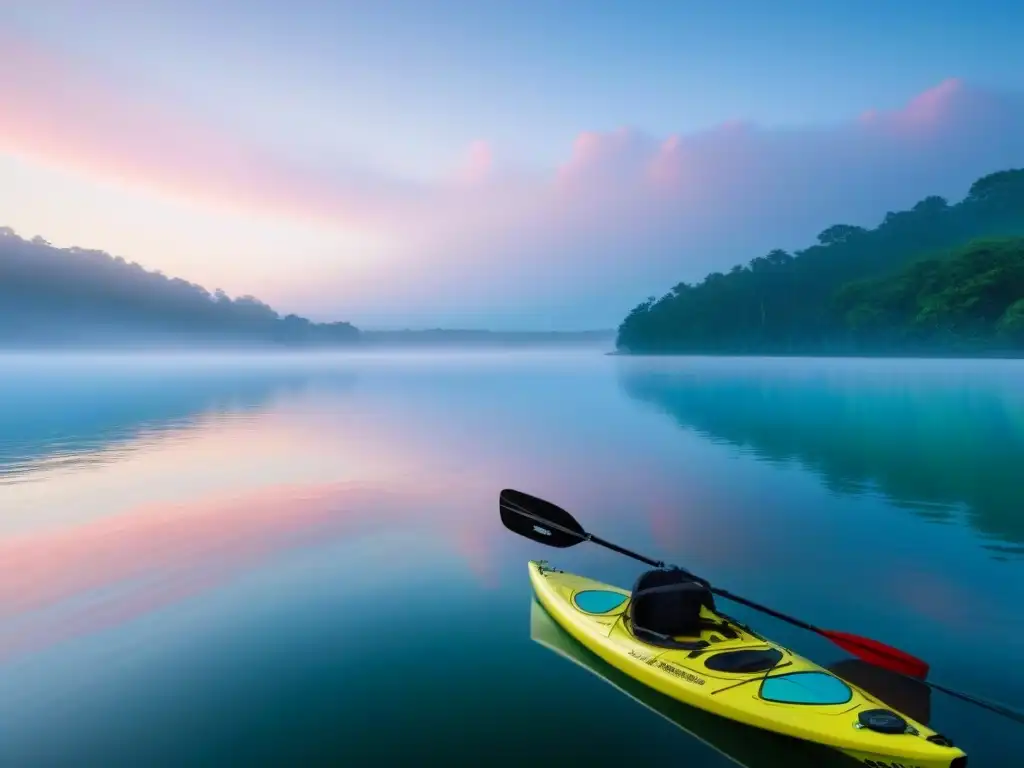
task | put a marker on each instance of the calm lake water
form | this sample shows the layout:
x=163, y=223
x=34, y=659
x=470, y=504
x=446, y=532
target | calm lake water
x=298, y=560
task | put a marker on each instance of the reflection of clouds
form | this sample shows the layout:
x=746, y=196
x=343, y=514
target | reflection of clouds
x=47, y=565
x=78, y=579
x=213, y=457
x=477, y=545
x=178, y=510
x=940, y=598
x=665, y=522
x=36, y=634
x=181, y=508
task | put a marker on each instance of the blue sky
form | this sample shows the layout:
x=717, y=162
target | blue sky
x=386, y=100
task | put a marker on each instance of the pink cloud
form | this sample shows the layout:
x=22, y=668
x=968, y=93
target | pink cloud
x=626, y=213
x=59, y=111
x=617, y=152
x=931, y=106
x=477, y=164
x=666, y=167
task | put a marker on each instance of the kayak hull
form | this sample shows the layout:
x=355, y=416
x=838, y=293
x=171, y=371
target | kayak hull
x=796, y=698
x=741, y=744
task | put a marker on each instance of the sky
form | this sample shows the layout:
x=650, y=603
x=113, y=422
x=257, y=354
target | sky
x=529, y=164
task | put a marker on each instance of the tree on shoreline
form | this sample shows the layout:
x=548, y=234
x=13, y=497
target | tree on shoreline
x=49, y=293
x=837, y=295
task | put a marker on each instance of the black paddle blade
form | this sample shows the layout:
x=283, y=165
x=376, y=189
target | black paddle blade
x=539, y=520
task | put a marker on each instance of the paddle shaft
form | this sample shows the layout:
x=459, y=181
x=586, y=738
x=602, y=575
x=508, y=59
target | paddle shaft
x=720, y=592
x=623, y=551
x=846, y=641
x=661, y=564
x=586, y=537
x=977, y=701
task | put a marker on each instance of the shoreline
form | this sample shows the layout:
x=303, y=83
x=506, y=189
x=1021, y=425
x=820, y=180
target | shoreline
x=1011, y=355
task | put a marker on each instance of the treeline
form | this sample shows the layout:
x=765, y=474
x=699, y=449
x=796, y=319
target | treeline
x=923, y=281
x=971, y=300
x=75, y=295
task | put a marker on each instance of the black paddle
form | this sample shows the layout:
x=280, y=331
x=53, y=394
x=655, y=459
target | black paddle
x=549, y=524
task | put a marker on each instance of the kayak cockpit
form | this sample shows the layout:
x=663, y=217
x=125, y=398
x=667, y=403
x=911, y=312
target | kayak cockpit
x=667, y=604
x=744, y=660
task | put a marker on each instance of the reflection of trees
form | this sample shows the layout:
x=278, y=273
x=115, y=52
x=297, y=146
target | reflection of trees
x=67, y=411
x=928, y=443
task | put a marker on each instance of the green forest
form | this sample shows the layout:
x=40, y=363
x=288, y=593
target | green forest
x=75, y=296
x=936, y=279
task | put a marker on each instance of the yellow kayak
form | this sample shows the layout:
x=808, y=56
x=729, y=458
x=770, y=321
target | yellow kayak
x=740, y=744
x=732, y=672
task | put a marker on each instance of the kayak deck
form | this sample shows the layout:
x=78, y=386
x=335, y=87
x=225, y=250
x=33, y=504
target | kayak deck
x=740, y=676
x=739, y=743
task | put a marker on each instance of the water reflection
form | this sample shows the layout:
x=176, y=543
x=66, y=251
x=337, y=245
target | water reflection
x=134, y=485
x=63, y=411
x=237, y=554
x=64, y=582
x=943, y=439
